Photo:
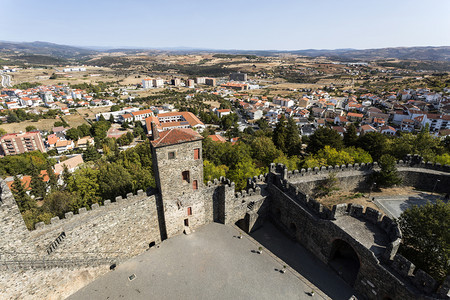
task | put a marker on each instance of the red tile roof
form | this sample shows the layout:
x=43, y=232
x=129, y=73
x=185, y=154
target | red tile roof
x=176, y=136
x=217, y=138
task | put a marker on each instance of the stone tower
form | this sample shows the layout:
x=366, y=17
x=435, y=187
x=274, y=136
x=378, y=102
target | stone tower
x=178, y=167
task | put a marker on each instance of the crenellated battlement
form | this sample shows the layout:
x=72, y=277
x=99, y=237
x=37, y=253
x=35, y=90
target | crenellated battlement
x=221, y=181
x=84, y=212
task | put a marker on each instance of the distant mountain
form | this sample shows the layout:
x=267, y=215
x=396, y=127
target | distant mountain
x=413, y=53
x=48, y=49
x=71, y=52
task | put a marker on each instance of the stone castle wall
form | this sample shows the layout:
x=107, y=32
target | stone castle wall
x=122, y=228
x=14, y=234
x=383, y=272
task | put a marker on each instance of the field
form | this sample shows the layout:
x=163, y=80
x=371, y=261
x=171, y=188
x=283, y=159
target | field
x=42, y=75
x=74, y=120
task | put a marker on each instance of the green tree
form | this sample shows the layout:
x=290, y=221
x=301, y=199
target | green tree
x=264, y=150
x=84, y=130
x=293, y=141
x=66, y=176
x=375, y=143
x=324, y=137
x=30, y=128
x=52, y=179
x=90, y=153
x=210, y=171
x=443, y=159
x=2, y=131
x=350, y=136
x=426, y=238
x=241, y=172
x=24, y=202
x=114, y=180
x=292, y=163
x=37, y=184
x=388, y=175
x=280, y=135
x=73, y=134
x=57, y=203
x=115, y=108
x=84, y=182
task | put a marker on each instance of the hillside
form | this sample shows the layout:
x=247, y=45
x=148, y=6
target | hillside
x=45, y=49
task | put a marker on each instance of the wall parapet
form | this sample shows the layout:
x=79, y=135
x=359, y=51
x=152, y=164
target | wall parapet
x=107, y=204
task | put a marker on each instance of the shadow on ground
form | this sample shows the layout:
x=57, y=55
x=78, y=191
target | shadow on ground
x=302, y=261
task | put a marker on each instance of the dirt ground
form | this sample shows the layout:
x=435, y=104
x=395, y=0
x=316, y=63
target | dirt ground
x=42, y=75
x=73, y=120
x=339, y=197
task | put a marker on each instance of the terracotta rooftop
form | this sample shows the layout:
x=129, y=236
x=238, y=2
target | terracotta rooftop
x=176, y=136
x=217, y=138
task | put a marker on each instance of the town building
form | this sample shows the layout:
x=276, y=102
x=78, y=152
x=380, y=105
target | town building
x=17, y=143
x=238, y=76
x=171, y=120
x=147, y=83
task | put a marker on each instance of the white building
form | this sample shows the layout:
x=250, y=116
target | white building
x=147, y=83
x=158, y=82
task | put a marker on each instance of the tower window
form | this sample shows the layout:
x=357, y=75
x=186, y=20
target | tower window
x=171, y=155
x=185, y=176
x=189, y=211
x=195, y=185
x=197, y=153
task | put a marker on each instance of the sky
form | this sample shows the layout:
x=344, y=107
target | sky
x=231, y=24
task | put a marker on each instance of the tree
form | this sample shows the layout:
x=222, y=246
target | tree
x=241, y=172
x=264, y=150
x=114, y=108
x=52, y=179
x=350, y=136
x=24, y=202
x=375, y=143
x=323, y=137
x=66, y=175
x=84, y=182
x=90, y=153
x=114, y=180
x=293, y=141
x=58, y=203
x=426, y=238
x=84, y=130
x=2, y=131
x=388, y=175
x=73, y=134
x=280, y=135
x=37, y=184
x=211, y=172
x=30, y=128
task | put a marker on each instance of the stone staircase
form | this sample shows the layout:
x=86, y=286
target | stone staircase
x=52, y=247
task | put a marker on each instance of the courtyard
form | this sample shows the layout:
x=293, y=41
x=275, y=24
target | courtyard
x=214, y=263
